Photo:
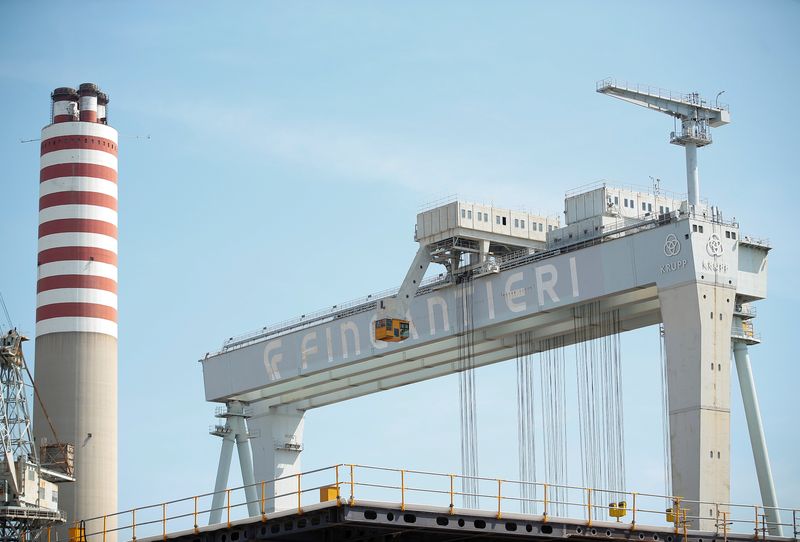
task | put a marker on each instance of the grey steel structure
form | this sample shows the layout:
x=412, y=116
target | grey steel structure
x=674, y=261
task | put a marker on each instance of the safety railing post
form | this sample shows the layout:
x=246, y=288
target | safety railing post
x=402, y=490
x=228, y=506
x=194, y=516
x=499, y=497
x=338, y=489
x=676, y=512
x=589, y=506
x=164, y=521
x=633, y=511
x=133, y=524
x=299, y=496
x=263, y=502
x=352, y=485
x=544, y=514
x=48, y=534
x=452, y=499
x=756, y=522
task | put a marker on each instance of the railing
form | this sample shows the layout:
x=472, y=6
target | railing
x=750, y=240
x=605, y=183
x=351, y=484
x=687, y=97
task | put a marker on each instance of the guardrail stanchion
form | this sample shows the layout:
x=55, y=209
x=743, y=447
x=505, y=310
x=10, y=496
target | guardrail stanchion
x=338, y=489
x=633, y=516
x=263, y=503
x=544, y=514
x=228, y=506
x=164, y=521
x=133, y=524
x=499, y=496
x=48, y=535
x=104, y=531
x=756, y=522
x=589, y=506
x=352, y=485
x=452, y=500
x=299, y=507
x=195, y=515
x=402, y=490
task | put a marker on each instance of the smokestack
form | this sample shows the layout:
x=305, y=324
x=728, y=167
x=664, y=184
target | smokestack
x=76, y=298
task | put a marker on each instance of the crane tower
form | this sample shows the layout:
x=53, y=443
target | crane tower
x=29, y=493
x=696, y=116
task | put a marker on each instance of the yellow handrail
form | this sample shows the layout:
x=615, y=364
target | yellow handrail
x=589, y=506
x=544, y=515
x=352, y=485
x=228, y=492
x=263, y=507
x=499, y=497
x=299, y=505
x=452, y=500
x=402, y=490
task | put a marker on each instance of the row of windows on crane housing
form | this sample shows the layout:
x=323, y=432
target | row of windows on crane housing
x=630, y=203
x=503, y=221
x=698, y=228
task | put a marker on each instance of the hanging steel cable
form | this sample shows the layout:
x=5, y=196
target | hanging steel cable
x=525, y=421
x=665, y=413
x=554, y=427
x=467, y=396
x=599, y=375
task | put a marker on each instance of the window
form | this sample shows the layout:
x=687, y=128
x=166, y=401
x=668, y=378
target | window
x=700, y=229
x=521, y=223
x=463, y=213
x=516, y=223
x=540, y=226
x=469, y=215
x=497, y=217
x=486, y=217
x=626, y=202
x=666, y=209
x=733, y=235
x=504, y=221
x=644, y=206
x=650, y=207
x=694, y=227
x=480, y=217
x=661, y=209
x=549, y=228
x=727, y=234
x=616, y=200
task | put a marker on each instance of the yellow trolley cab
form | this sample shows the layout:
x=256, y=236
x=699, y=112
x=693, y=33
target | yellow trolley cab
x=391, y=330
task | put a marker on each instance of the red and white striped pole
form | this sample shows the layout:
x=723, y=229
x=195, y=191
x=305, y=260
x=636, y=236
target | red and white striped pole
x=76, y=296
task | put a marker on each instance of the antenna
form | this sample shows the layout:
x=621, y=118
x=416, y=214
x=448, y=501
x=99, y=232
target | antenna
x=697, y=118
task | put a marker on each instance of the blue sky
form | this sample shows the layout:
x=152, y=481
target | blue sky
x=291, y=145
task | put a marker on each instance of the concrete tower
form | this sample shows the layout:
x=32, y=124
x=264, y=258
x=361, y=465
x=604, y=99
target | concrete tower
x=76, y=296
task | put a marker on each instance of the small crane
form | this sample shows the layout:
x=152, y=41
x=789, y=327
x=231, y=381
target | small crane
x=28, y=491
x=696, y=116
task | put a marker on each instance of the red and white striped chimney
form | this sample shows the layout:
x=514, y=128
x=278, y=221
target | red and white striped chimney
x=76, y=296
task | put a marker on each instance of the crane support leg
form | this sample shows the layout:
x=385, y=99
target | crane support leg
x=223, y=470
x=757, y=440
x=246, y=464
x=697, y=320
x=277, y=440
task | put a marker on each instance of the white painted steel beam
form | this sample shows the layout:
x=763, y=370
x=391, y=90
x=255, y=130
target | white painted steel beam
x=758, y=441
